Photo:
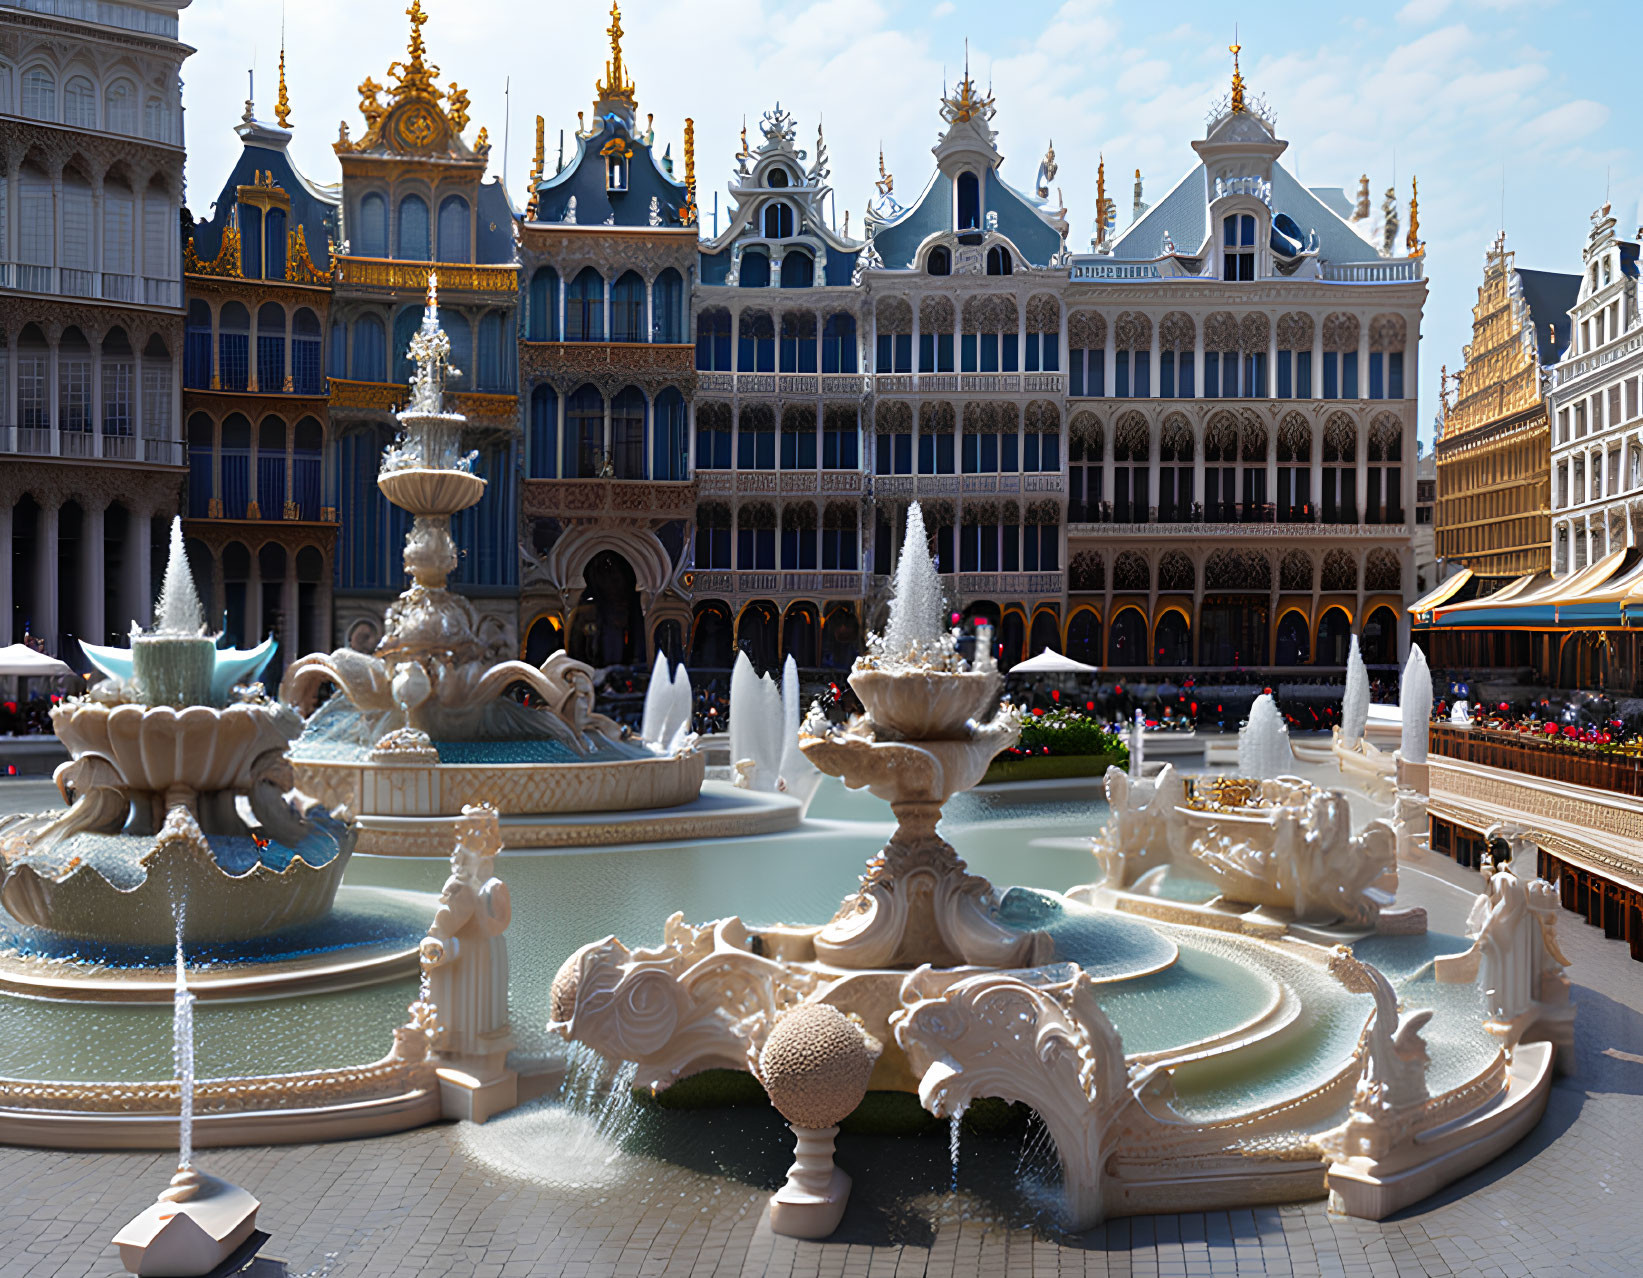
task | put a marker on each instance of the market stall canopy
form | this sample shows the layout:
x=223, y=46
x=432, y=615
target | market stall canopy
x=20, y=659
x=1051, y=662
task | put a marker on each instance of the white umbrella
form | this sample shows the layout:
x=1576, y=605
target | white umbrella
x=20, y=659
x=1051, y=662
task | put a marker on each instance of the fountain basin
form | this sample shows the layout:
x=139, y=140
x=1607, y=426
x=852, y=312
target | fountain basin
x=156, y=747
x=924, y=705
x=431, y=492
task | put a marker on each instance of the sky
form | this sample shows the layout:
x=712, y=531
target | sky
x=1496, y=106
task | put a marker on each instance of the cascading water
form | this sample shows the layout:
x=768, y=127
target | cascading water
x=1355, y=700
x=1263, y=742
x=916, y=604
x=1137, y=743
x=955, y=1125
x=1415, y=706
x=182, y=1046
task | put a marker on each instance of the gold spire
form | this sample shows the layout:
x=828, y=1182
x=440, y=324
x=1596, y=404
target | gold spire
x=687, y=210
x=1237, y=77
x=1412, y=241
x=887, y=182
x=537, y=162
x=415, y=78
x=1103, y=206
x=615, y=87
x=282, y=106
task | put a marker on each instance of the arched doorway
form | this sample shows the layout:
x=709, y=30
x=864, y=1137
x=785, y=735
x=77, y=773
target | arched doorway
x=799, y=635
x=544, y=638
x=1294, y=645
x=607, y=625
x=668, y=639
x=1046, y=633
x=711, y=637
x=1232, y=630
x=841, y=637
x=1334, y=637
x=1172, y=640
x=1127, y=644
x=1012, y=634
x=1084, y=637
x=756, y=635
x=1380, y=638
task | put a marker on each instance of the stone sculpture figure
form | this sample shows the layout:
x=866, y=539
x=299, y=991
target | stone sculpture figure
x=1146, y=825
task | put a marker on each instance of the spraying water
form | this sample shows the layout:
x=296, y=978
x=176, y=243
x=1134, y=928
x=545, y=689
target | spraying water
x=179, y=611
x=182, y=1046
x=1136, y=743
x=954, y=1125
x=1263, y=742
x=1415, y=706
x=916, y=604
x=1355, y=701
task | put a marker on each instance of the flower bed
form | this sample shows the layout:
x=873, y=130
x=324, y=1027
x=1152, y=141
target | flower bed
x=1059, y=743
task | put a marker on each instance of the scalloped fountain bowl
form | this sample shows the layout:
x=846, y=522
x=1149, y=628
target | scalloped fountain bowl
x=157, y=747
x=924, y=704
x=427, y=491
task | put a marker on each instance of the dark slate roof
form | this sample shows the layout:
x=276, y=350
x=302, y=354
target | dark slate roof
x=715, y=267
x=314, y=210
x=1184, y=214
x=1549, y=295
x=840, y=267
x=1019, y=221
x=898, y=240
x=584, y=177
x=494, y=241
x=1334, y=199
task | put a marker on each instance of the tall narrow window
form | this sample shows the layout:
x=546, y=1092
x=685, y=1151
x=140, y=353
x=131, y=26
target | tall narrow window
x=585, y=308
x=668, y=308
x=372, y=238
x=544, y=306
x=274, y=238
x=413, y=229
x=969, y=202
x=1238, y=247
x=453, y=230
x=627, y=309
x=270, y=347
x=306, y=374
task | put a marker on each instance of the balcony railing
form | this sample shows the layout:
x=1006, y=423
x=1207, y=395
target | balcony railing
x=622, y=499
x=1046, y=483
x=1235, y=519
x=727, y=482
x=88, y=445
x=785, y=385
x=1550, y=759
x=68, y=281
x=1012, y=584
x=457, y=277
x=969, y=383
x=719, y=581
x=1373, y=272
x=547, y=359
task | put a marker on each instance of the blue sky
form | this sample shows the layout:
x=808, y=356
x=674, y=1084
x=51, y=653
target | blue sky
x=1469, y=95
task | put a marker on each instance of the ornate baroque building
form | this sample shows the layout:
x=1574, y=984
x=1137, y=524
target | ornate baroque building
x=91, y=179
x=1597, y=435
x=608, y=247
x=262, y=508
x=1493, y=511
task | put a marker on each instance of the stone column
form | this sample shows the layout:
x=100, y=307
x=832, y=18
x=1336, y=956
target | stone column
x=93, y=623
x=1316, y=493
x=916, y=334
x=140, y=596
x=1106, y=456
x=1154, y=373
x=1363, y=358
x=1109, y=361
x=1317, y=388
x=1272, y=360
x=1362, y=454
x=1197, y=471
x=1155, y=464
x=44, y=622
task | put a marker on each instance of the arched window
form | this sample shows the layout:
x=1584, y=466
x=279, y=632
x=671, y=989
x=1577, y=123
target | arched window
x=542, y=454
x=627, y=434
x=339, y=348
x=627, y=309
x=40, y=94
x=273, y=234
x=271, y=347
x=969, y=202
x=78, y=220
x=117, y=379
x=120, y=108
x=461, y=333
x=197, y=346
x=585, y=307
x=370, y=362
x=80, y=103
x=778, y=177
x=413, y=229
x=306, y=467
x=713, y=340
x=156, y=120
x=755, y=272
x=453, y=230
x=372, y=240
x=798, y=342
x=306, y=374
x=755, y=343
x=939, y=261
x=798, y=269
x=202, y=465
x=1238, y=247
x=584, y=433
x=405, y=326
x=778, y=220
x=668, y=306
x=250, y=218
x=236, y=467
x=670, y=436
x=999, y=261
x=234, y=346
x=544, y=306
x=489, y=374
x=271, y=468
x=839, y=344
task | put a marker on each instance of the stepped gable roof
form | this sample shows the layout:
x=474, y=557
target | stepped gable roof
x=650, y=196
x=419, y=120
x=1549, y=295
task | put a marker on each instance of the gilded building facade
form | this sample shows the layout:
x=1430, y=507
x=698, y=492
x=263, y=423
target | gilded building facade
x=1493, y=511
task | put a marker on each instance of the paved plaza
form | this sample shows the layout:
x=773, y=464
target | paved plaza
x=1564, y=1201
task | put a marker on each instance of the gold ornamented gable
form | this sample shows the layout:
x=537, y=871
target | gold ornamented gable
x=419, y=118
x=299, y=267
x=226, y=263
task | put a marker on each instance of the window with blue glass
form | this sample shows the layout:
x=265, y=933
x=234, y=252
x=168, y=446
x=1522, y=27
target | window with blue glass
x=839, y=541
x=713, y=536
x=542, y=449
x=840, y=437
x=670, y=434
x=713, y=436
x=585, y=307
x=799, y=437
x=627, y=433
x=798, y=269
x=756, y=538
x=839, y=345
x=969, y=202
x=584, y=433
x=271, y=347
x=455, y=241
x=756, y=438
x=413, y=229
x=799, y=537
x=274, y=237
x=307, y=468
x=755, y=270
x=713, y=340
x=307, y=377
x=895, y=353
x=542, y=325
x=234, y=347
x=372, y=238
x=627, y=309
x=778, y=220
x=935, y=352
x=406, y=324
x=488, y=374
x=370, y=350
x=271, y=464
x=668, y=305
x=1238, y=247
x=202, y=465
x=197, y=346
x=756, y=343
x=798, y=342
x=250, y=241
x=339, y=348
x=236, y=467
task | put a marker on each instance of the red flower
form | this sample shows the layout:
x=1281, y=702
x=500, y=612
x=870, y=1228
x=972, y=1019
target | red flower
x=1055, y=694
x=1037, y=711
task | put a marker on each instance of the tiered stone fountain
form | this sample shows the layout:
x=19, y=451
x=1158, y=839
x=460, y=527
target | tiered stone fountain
x=428, y=724
x=180, y=792
x=1265, y=1047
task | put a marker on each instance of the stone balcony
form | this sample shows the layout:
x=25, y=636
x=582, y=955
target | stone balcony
x=88, y=445
x=608, y=500
x=779, y=585
x=969, y=383
x=1046, y=484
x=726, y=483
x=783, y=385
x=610, y=365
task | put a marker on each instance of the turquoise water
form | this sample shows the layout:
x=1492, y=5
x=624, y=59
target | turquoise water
x=1104, y=944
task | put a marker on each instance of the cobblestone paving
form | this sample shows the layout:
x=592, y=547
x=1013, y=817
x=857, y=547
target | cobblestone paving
x=1568, y=1200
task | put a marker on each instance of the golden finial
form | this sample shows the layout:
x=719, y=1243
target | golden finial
x=1237, y=76
x=282, y=106
x=433, y=293
x=687, y=211
x=415, y=77
x=887, y=181
x=1102, y=204
x=615, y=86
x=537, y=162
x=482, y=143
x=458, y=108
x=1412, y=241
